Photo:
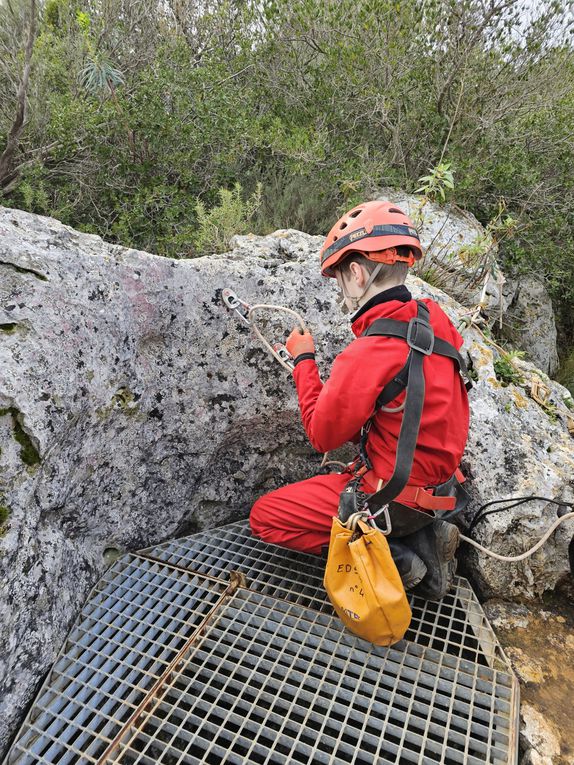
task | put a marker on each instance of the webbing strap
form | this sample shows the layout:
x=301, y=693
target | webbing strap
x=394, y=387
x=389, y=229
x=394, y=328
x=419, y=335
x=408, y=435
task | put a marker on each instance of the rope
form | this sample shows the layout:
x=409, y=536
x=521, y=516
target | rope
x=273, y=352
x=326, y=462
x=264, y=306
x=528, y=553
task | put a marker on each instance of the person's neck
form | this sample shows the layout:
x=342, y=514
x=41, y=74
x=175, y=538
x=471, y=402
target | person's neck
x=398, y=292
x=376, y=289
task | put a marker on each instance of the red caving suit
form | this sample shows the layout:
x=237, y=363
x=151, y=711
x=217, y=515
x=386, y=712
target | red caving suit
x=300, y=515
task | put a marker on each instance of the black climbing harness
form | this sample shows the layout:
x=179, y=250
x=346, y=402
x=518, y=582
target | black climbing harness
x=419, y=336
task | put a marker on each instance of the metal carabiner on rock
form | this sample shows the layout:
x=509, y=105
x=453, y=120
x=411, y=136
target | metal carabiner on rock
x=245, y=312
x=283, y=354
x=240, y=307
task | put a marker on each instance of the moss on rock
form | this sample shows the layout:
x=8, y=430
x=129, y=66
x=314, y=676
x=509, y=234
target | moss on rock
x=28, y=452
x=4, y=517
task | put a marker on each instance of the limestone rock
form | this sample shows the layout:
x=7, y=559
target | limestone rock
x=538, y=739
x=517, y=448
x=527, y=668
x=460, y=255
x=134, y=408
x=537, y=638
x=461, y=258
x=506, y=616
x=529, y=322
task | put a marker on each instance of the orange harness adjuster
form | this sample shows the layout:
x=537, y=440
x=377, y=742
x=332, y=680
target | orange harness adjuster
x=417, y=495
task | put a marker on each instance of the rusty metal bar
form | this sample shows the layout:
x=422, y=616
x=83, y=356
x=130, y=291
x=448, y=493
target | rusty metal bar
x=236, y=580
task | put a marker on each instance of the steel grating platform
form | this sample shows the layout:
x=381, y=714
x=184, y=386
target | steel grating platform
x=219, y=648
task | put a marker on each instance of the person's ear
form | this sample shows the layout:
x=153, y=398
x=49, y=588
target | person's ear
x=358, y=274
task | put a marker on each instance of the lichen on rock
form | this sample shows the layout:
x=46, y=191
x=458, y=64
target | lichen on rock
x=151, y=411
x=28, y=450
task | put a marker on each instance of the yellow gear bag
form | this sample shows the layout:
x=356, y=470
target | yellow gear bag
x=363, y=584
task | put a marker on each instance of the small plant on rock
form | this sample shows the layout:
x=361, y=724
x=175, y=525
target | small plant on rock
x=505, y=369
x=4, y=517
x=437, y=182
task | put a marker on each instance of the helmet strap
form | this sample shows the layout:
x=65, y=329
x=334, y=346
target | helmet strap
x=355, y=301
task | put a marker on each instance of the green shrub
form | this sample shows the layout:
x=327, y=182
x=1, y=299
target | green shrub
x=303, y=202
x=324, y=103
x=565, y=374
x=231, y=216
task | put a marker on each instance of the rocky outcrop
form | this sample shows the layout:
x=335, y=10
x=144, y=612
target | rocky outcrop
x=460, y=255
x=134, y=407
x=539, y=739
x=461, y=259
x=538, y=641
x=518, y=446
x=530, y=324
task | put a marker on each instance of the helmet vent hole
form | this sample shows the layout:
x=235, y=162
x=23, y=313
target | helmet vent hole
x=335, y=238
x=343, y=225
x=355, y=213
x=395, y=210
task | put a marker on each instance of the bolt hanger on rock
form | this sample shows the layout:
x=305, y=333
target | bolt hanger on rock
x=245, y=313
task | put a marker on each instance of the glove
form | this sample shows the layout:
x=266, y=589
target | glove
x=300, y=344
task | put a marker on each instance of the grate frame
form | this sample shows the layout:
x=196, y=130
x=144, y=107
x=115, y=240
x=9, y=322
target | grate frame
x=244, y=694
x=147, y=610
x=96, y=683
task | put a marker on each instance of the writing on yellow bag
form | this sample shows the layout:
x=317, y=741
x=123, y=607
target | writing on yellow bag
x=363, y=583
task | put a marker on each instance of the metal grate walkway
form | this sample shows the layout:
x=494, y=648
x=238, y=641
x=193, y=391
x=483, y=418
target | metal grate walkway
x=177, y=660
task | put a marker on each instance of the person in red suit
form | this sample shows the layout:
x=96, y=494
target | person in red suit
x=368, y=251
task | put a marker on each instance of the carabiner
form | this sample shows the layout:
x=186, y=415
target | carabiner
x=388, y=527
x=241, y=308
x=283, y=354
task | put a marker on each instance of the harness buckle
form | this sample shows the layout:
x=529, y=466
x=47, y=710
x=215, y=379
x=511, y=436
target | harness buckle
x=420, y=336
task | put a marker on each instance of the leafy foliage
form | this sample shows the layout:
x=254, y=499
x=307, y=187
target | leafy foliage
x=138, y=111
x=231, y=216
x=99, y=75
x=506, y=372
x=437, y=182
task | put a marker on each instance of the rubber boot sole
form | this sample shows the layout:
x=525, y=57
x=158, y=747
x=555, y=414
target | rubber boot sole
x=447, y=538
x=414, y=575
x=410, y=567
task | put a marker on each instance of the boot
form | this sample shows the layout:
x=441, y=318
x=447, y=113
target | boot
x=410, y=567
x=436, y=546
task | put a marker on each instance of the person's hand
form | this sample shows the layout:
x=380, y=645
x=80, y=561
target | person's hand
x=300, y=342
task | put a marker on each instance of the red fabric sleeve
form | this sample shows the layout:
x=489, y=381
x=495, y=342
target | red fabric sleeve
x=334, y=412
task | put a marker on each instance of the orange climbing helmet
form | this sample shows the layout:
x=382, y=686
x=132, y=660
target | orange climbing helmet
x=373, y=229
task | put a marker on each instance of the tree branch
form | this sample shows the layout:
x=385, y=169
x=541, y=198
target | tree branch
x=7, y=158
